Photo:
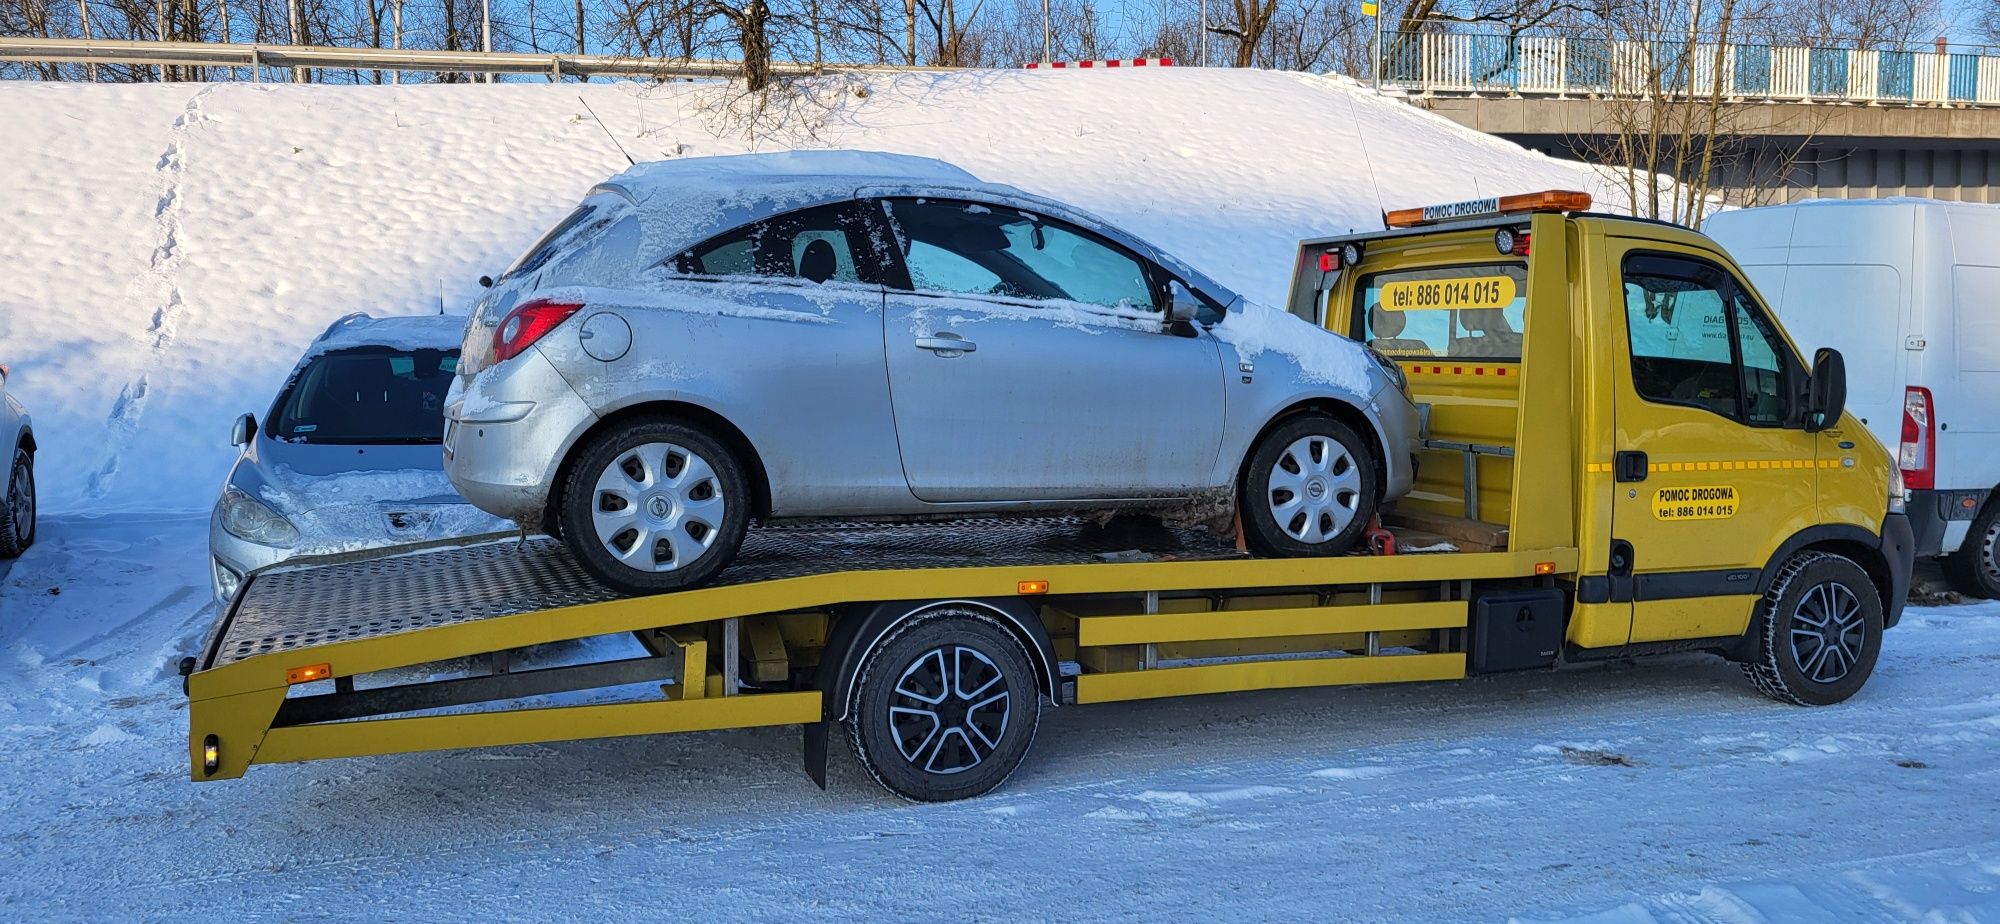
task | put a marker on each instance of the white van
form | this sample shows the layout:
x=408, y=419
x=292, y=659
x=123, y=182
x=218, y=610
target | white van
x=1909, y=291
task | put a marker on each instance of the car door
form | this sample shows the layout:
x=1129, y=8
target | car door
x=1713, y=465
x=1029, y=360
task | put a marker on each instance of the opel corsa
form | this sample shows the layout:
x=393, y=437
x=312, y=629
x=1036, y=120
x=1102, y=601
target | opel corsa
x=710, y=341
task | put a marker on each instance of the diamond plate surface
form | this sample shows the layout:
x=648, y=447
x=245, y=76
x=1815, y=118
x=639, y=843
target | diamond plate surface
x=291, y=609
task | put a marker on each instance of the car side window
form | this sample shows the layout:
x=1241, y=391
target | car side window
x=994, y=250
x=829, y=243
x=1698, y=339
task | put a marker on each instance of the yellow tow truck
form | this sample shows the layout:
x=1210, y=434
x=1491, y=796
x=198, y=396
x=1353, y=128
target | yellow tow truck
x=1624, y=455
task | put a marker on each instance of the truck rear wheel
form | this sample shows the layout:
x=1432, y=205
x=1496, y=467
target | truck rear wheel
x=945, y=706
x=1821, y=631
x=1974, y=570
x=1310, y=488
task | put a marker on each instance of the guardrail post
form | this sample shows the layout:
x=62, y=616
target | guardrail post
x=256, y=67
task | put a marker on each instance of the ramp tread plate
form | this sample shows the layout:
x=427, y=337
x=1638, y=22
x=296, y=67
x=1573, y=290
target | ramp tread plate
x=294, y=608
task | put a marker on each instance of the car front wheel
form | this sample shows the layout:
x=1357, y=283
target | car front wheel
x=654, y=506
x=17, y=507
x=1310, y=488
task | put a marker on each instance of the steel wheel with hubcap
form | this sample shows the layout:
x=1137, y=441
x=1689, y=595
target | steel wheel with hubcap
x=1974, y=570
x=17, y=508
x=1820, y=629
x=945, y=706
x=1309, y=488
x=655, y=506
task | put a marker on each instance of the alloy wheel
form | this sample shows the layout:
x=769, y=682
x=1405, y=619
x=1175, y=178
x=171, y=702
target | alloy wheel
x=1827, y=632
x=21, y=499
x=949, y=710
x=657, y=507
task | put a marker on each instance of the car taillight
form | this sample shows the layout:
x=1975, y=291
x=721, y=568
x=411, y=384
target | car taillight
x=1918, y=458
x=527, y=323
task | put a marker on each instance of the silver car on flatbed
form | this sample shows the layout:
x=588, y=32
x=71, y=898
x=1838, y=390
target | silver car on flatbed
x=848, y=334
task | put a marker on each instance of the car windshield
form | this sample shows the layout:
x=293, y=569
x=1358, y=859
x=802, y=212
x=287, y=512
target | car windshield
x=367, y=395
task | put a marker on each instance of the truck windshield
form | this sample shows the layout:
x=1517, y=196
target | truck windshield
x=1447, y=312
x=369, y=395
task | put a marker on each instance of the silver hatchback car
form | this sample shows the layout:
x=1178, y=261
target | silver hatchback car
x=708, y=341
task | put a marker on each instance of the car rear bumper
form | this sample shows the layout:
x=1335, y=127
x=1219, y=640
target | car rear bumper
x=1401, y=437
x=506, y=434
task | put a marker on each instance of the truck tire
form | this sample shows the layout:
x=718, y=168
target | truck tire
x=1310, y=488
x=945, y=706
x=1818, y=631
x=17, y=505
x=1974, y=570
x=653, y=506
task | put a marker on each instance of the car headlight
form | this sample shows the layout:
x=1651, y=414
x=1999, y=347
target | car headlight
x=1390, y=368
x=248, y=519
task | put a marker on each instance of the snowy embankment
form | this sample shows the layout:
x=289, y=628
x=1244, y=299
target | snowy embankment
x=169, y=250
x=1663, y=790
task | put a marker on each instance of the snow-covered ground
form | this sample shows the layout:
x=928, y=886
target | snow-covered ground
x=170, y=249
x=1661, y=790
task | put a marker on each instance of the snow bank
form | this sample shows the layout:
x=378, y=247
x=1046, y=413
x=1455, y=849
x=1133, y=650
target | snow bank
x=170, y=250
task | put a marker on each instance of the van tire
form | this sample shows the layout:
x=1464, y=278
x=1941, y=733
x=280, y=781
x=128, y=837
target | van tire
x=1974, y=570
x=1353, y=472
x=889, y=706
x=1789, y=661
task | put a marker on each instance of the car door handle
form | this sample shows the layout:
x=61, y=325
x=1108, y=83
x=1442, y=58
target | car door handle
x=946, y=342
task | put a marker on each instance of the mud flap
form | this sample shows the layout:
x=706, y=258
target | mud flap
x=815, y=751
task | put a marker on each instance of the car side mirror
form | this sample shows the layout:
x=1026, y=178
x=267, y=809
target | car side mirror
x=1826, y=391
x=243, y=431
x=1183, y=307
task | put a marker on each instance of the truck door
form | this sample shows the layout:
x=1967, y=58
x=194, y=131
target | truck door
x=1712, y=468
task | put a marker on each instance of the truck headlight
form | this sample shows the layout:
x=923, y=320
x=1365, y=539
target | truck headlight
x=1898, y=497
x=248, y=519
x=1390, y=368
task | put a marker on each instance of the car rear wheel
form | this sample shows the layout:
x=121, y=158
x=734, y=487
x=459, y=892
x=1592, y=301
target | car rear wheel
x=1310, y=488
x=1974, y=570
x=945, y=706
x=17, y=508
x=655, y=505
x=1820, y=629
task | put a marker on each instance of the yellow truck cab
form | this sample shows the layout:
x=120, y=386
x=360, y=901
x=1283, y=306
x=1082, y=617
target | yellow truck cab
x=1618, y=384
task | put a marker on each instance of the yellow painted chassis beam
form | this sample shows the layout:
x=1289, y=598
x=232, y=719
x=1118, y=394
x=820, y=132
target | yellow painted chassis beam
x=1267, y=675
x=1216, y=625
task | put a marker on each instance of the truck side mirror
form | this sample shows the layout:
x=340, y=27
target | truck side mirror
x=1826, y=391
x=243, y=431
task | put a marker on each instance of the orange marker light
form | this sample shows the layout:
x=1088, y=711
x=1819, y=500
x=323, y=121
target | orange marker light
x=1544, y=568
x=309, y=673
x=1032, y=587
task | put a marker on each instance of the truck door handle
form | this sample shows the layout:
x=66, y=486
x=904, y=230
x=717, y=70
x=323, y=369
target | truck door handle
x=946, y=342
x=1629, y=465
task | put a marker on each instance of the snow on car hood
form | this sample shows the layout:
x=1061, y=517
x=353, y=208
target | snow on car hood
x=346, y=498
x=1321, y=355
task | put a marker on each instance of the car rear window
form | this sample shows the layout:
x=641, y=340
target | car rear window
x=370, y=395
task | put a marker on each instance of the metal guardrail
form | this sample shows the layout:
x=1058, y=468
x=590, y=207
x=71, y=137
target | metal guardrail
x=1469, y=63
x=256, y=57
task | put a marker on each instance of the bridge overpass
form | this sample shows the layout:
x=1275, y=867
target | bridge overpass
x=1804, y=122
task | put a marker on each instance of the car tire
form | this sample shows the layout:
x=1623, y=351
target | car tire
x=639, y=509
x=1310, y=487
x=17, y=505
x=945, y=706
x=1974, y=570
x=1817, y=632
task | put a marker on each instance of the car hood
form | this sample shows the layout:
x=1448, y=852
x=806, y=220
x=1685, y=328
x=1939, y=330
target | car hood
x=346, y=497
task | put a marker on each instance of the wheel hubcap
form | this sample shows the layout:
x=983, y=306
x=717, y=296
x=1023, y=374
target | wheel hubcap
x=949, y=710
x=1989, y=551
x=657, y=507
x=1314, y=489
x=1827, y=632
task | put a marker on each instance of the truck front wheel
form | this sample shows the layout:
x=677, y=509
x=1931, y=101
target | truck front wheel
x=1974, y=570
x=1820, y=631
x=945, y=707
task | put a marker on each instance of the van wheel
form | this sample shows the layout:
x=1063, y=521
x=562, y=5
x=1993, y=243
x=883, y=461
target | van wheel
x=1820, y=631
x=653, y=506
x=945, y=706
x=17, y=506
x=1974, y=570
x=1310, y=488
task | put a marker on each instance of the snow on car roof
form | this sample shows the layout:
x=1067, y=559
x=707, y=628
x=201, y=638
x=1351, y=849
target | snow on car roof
x=403, y=332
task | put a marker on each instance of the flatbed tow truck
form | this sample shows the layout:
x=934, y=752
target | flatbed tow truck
x=1578, y=499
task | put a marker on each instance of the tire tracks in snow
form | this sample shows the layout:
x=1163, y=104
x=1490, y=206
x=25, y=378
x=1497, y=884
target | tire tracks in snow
x=159, y=284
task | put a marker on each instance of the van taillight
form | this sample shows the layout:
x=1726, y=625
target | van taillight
x=527, y=323
x=1918, y=458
